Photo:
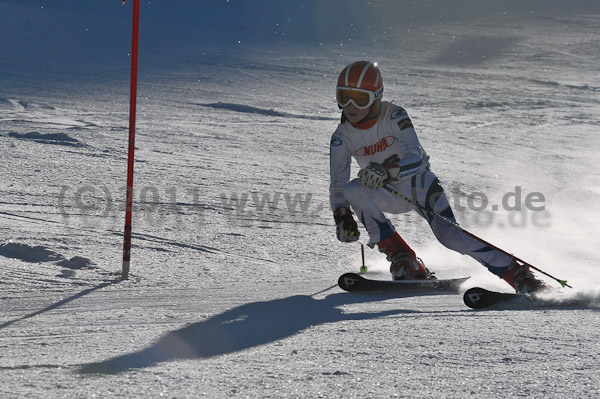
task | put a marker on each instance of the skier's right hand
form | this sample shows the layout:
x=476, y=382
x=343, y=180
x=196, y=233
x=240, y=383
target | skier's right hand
x=373, y=176
x=346, y=227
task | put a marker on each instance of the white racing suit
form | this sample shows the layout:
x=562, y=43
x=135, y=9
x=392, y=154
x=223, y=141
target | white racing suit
x=393, y=142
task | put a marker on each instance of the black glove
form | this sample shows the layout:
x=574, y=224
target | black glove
x=346, y=227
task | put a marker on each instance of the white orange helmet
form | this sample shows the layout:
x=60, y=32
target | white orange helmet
x=360, y=83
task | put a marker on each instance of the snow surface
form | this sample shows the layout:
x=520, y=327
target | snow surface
x=232, y=290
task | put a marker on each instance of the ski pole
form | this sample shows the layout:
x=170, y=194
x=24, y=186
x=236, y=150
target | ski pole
x=563, y=283
x=363, y=268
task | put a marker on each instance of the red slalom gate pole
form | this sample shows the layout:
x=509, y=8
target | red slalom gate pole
x=130, y=156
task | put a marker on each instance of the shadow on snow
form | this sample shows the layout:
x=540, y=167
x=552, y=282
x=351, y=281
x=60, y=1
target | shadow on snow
x=265, y=112
x=243, y=327
x=60, y=303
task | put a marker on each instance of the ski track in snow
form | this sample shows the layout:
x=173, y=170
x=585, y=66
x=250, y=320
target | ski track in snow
x=234, y=261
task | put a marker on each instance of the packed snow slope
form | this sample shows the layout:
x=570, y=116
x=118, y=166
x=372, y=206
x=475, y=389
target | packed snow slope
x=232, y=289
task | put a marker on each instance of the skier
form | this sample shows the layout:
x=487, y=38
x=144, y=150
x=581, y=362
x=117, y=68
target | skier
x=381, y=138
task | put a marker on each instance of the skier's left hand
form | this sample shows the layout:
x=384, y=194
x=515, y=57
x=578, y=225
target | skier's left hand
x=373, y=176
x=345, y=225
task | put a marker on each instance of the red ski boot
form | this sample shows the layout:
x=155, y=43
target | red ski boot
x=523, y=280
x=405, y=264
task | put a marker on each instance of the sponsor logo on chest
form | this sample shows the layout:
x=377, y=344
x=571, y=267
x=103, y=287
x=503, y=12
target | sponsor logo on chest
x=380, y=146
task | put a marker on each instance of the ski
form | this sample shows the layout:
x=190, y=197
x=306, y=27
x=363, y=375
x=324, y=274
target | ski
x=478, y=298
x=354, y=282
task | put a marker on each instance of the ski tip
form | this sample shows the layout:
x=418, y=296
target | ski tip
x=479, y=298
x=472, y=297
x=348, y=281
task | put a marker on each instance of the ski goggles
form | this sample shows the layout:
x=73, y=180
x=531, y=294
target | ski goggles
x=361, y=98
